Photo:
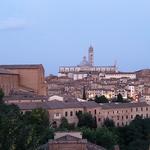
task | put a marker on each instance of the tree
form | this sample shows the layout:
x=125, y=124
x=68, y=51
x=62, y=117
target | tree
x=106, y=138
x=86, y=120
x=64, y=123
x=108, y=123
x=1, y=95
x=23, y=131
x=101, y=99
x=84, y=93
x=119, y=98
x=136, y=135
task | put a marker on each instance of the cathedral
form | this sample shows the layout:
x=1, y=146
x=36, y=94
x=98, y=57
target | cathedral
x=85, y=68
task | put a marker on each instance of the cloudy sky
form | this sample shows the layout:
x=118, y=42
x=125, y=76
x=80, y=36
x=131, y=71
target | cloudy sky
x=59, y=32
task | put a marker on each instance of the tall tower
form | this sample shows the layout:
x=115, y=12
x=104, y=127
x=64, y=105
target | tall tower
x=91, y=56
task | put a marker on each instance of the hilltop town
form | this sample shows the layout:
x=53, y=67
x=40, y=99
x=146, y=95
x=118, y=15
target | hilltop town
x=103, y=92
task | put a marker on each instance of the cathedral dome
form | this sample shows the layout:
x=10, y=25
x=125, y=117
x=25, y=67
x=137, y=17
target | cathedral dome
x=84, y=62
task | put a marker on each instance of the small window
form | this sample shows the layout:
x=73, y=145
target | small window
x=95, y=111
x=131, y=116
x=141, y=109
x=146, y=109
x=117, y=117
x=66, y=113
x=71, y=113
x=57, y=114
x=136, y=109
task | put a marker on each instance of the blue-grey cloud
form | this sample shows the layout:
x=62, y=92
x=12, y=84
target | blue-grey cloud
x=13, y=24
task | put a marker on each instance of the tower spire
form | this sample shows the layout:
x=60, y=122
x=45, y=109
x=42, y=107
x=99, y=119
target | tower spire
x=91, y=56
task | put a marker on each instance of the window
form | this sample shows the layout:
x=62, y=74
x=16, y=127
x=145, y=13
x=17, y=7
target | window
x=122, y=117
x=126, y=117
x=146, y=115
x=146, y=109
x=141, y=109
x=71, y=113
x=136, y=109
x=66, y=113
x=99, y=119
x=117, y=117
x=57, y=114
x=131, y=109
x=131, y=116
x=95, y=111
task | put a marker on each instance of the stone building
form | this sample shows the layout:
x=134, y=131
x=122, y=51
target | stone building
x=9, y=81
x=121, y=113
x=23, y=77
x=69, y=141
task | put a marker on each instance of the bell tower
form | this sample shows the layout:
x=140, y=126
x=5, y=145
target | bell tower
x=91, y=56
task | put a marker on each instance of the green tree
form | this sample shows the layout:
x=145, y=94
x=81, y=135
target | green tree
x=101, y=99
x=120, y=98
x=108, y=123
x=23, y=131
x=84, y=93
x=86, y=120
x=1, y=95
x=106, y=138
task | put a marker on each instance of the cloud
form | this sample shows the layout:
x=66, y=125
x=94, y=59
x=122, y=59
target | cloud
x=13, y=24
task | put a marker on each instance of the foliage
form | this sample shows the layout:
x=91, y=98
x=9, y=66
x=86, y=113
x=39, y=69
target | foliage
x=86, y=120
x=1, y=95
x=106, y=138
x=23, y=131
x=136, y=136
x=100, y=136
x=101, y=99
x=108, y=123
x=119, y=98
x=64, y=125
x=84, y=93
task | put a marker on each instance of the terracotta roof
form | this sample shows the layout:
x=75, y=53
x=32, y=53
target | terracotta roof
x=68, y=138
x=123, y=105
x=57, y=105
x=4, y=71
x=32, y=66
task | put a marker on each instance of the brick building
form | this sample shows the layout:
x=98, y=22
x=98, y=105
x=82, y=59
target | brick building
x=23, y=77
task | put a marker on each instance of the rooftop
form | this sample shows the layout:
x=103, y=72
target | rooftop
x=123, y=105
x=21, y=66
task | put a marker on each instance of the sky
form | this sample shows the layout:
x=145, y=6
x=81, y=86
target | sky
x=59, y=32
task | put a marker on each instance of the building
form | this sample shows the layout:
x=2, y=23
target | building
x=86, y=68
x=23, y=77
x=69, y=141
x=9, y=81
x=121, y=113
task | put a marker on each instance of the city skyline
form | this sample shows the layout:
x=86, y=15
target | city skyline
x=55, y=33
